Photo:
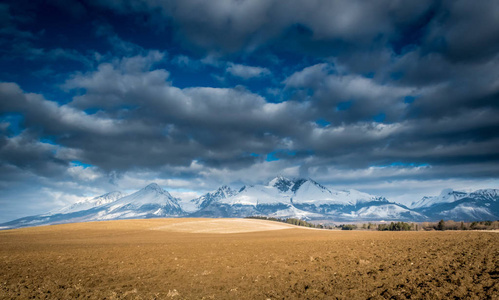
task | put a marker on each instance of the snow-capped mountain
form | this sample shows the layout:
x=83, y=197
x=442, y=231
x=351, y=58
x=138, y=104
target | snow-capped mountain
x=384, y=212
x=248, y=201
x=203, y=201
x=149, y=202
x=476, y=206
x=303, y=198
x=293, y=212
x=92, y=202
x=446, y=196
x=280, y=197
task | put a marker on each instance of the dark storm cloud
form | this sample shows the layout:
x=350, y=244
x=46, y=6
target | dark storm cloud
x=460, y=30
x=145, y=122
x=26, y=153
x=445, y=88
x=246, y=25
x=216, y=92
x=363, y=98
x=465, y=30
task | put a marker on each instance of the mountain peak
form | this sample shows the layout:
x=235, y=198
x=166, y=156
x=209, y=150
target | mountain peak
x=277, y=179
x=446, y=196
x=446, y=192
x=316, y=183
x=282, y=183
x=224, y=188
x=486, y=191
x=297, y=197
x=224, y=192
x=153, y=186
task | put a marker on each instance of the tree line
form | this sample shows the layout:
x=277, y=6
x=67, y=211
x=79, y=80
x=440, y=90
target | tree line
x=393, y=226
x=293, y=221
x=452, y=225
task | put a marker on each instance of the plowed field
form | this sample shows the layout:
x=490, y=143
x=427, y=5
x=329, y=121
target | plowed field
x=212, y=259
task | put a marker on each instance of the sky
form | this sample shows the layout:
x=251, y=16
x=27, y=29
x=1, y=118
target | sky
x=390, y=97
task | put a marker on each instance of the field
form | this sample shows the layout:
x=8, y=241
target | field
x=243, y=259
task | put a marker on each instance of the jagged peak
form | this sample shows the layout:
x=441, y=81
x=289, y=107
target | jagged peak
x=111, y=195
x=316, y=183
x=446, y=192
x=277, y=179
x=298, y=183
x=224, y=191
x=154, y=187
x=282, y=183
x=486, y=191
x=224, y=188
x=446, y=196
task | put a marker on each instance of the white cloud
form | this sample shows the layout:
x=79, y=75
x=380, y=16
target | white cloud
x=247, y=72
x=308, y=77
x=84, y=174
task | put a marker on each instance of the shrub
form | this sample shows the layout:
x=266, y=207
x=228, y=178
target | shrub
x=348, y=227
x=441, y=225
x=399, y=226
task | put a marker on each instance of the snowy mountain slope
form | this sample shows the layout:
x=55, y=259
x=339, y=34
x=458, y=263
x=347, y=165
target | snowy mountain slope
x=248, y=201
x=258, y=195
x=476, y=206
x=384, y=212
x=468, y=212
x=92, y=202
x=446, y=196
x=298, y=198
x=281, y=183
x=311, y=192
x=293, y=212
x=196, y=204
x=252, y=200
x=152, y=194
x=486, y=194
x=281, y=197
x=149, y=202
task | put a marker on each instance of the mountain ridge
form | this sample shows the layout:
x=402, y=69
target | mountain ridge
x=280, y=197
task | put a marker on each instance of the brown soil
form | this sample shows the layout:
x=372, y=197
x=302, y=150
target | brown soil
x=134, y=260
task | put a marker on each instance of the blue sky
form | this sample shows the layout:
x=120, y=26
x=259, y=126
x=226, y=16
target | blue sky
x=395, y=98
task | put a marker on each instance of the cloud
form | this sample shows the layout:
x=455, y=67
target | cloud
x=331, y=102
x=25, y=153
x=309, y=77
x=231, y=26
x=366, y=96
x=247, y=72
x=463, y=31
x=118, y=44
x=144, y=122
x=185, y=61
x=81, y=173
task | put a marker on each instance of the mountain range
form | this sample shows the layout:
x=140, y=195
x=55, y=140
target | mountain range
x=281, y=197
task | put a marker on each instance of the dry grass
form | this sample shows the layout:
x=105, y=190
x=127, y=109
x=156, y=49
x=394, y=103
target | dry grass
x=128, y=260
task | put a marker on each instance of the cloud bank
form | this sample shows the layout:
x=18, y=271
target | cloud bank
x=395, y=98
